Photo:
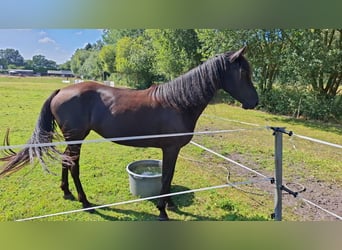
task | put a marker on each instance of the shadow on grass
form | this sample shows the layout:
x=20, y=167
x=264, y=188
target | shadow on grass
x=181, y=201
x=143, y=216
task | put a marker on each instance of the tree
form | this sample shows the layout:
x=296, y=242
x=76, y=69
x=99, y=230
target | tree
x=176, y=50
x=86, y=62
x=107, y=56
x=65, y=66
x=112, y=36
x=11, y=57
x=316, y=57
x=88, y=46
x=92, y=67
x=215, y=41
x=78, y=59
x=135, y=59
x=28, y=64
x=3, y=63
x=41, y=64
x=267, y=51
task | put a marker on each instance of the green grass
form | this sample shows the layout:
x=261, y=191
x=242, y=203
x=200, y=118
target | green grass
x=32, y=192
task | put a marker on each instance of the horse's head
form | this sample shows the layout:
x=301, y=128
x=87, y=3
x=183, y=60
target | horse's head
x=237, y=79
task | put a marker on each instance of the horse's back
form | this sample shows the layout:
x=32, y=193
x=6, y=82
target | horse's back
x=94, y=106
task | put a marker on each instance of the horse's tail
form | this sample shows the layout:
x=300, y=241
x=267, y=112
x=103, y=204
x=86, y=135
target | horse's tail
x=44, y=132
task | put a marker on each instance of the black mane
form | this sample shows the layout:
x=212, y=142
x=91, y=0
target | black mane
x=196, y=87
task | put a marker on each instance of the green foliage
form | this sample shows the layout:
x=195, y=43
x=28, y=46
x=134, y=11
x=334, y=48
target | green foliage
x=301, y=102
x=123, y=51
x=107, y=56
x=87, y=63
x=134, y=59
x=41, y=64
x=176, y=51
x=11, y=57
x=112, y=36
x=92, y=66
x=212, y=41
x=314, y=56
x=78, y=59
x=65, y=66
x=144, y=56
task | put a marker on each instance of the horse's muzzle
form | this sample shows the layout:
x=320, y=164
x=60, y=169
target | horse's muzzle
x=249, y=105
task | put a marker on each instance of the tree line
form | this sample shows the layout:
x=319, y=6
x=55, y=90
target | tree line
x=12, y=59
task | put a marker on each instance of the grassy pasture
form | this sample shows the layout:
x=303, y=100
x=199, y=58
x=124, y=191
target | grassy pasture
x=32, y=192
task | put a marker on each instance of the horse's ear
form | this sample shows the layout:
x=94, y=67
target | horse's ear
x=237, y=54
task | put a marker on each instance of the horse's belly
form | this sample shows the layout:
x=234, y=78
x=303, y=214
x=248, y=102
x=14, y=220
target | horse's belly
x=144, y=131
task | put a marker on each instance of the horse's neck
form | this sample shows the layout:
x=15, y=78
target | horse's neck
x=191, y=91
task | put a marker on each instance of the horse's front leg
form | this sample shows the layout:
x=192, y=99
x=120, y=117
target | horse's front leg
x=169, y=162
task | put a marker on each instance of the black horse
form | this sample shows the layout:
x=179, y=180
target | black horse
x=173, y=107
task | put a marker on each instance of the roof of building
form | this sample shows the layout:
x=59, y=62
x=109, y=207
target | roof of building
x=60, y=72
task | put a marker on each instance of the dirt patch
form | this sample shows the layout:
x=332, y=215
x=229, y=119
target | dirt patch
x=322, y=193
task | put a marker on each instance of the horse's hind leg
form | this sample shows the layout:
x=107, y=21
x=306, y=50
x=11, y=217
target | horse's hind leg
x=65, y=183
x=65, y=179
x=73, y=151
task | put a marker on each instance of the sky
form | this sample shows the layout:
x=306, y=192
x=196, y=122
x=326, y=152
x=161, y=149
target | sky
x=55, y=44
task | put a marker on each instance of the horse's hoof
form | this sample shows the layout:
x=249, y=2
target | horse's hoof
x=162, y=218
x=70, y=197
x=88, y=208
x=91, y=211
